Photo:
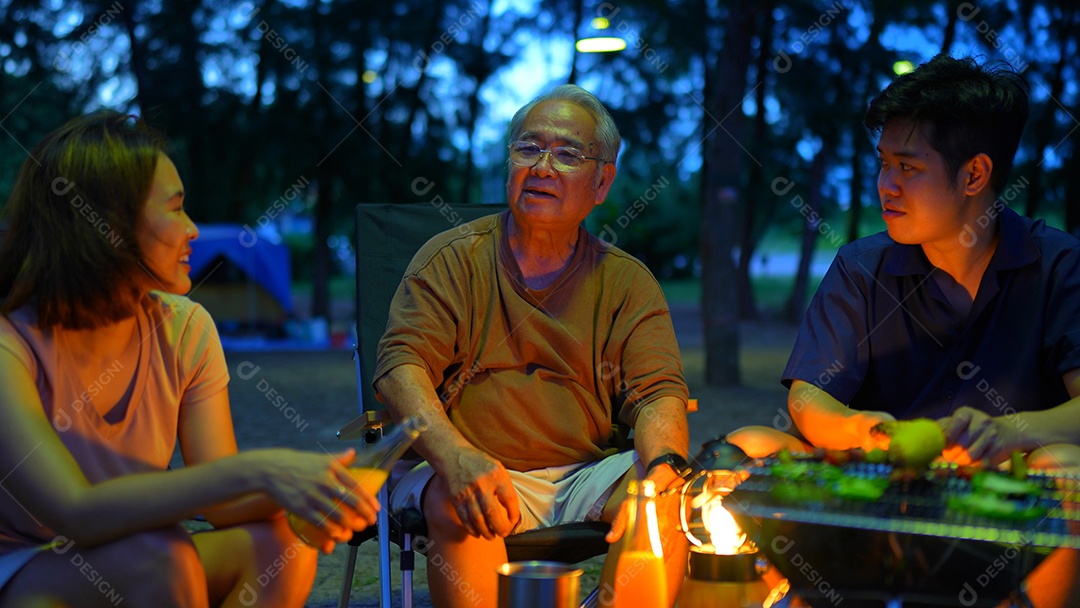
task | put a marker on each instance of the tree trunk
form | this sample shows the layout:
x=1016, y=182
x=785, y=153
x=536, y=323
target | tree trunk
x=758, y=208
x=579, y=13
x=952, y=9
x=1045, y=127
x=480, y=72
x=414, y=93
x=188, y=114
x=724, y=90
x=136, y=61
x=855, y=209
x=797, y=302
x=320, y=260
x=324, y=180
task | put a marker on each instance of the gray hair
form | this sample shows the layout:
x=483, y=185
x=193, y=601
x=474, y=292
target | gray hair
x=607, y=134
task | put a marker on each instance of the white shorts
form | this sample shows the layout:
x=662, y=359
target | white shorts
x=548, y=497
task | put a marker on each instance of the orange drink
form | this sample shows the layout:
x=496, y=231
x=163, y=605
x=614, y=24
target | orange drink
x=640, y=580
x=371, y=480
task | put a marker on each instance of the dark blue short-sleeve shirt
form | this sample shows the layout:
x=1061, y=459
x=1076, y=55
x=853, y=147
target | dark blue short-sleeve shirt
x=881, y=335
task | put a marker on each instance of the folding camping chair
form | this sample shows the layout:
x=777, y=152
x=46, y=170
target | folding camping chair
x=387, y=236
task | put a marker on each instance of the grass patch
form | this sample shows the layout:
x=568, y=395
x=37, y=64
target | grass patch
x=770, y=292
x=340, y=287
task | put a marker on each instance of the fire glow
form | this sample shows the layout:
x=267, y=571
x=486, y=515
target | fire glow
x=725, y=535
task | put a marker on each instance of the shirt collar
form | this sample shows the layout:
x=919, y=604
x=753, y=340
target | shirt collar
x=1016, y=247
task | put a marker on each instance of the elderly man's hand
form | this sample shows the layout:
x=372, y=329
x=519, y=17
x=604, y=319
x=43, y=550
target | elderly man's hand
x=667, y=505
x=972, y=435
x=483, y=494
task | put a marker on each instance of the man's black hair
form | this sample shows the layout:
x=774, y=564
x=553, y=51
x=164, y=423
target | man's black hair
x=968, y=108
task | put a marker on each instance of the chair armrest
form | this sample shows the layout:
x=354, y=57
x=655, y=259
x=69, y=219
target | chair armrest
x=567, y=543
x=370, y=420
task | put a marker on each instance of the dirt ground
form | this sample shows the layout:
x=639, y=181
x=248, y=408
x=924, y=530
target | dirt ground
x=300, y=399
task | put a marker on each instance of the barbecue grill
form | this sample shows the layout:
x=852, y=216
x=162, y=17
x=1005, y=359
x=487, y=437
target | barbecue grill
x=907, y=548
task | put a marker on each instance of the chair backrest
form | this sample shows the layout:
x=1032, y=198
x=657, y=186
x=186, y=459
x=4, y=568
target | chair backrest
x=387, y=237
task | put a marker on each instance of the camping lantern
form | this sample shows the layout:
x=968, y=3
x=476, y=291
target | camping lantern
x=725, y=566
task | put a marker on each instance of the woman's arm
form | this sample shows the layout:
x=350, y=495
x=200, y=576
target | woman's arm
x=206, y=434
x=45, y=479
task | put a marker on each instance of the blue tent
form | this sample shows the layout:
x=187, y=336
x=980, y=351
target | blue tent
x=264, y=266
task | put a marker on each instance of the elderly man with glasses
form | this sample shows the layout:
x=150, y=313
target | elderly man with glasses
x=526, y=341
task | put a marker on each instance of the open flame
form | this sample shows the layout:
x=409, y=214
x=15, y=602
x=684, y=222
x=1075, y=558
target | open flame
x=725, y=535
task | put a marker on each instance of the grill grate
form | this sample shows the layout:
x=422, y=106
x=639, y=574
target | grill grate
x=917, y=507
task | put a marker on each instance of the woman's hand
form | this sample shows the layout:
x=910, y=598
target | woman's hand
x=318, y=489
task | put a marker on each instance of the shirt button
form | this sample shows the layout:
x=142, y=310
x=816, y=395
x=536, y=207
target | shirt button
x=949, y=395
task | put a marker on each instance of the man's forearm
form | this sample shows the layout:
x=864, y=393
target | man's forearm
x=827, y=423
x=407, y=391
x=661, y=429
x=1060, y=424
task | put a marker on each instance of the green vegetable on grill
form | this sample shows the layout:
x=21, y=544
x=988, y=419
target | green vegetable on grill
x=860, y=488
x=990, y=505
x=996, y=483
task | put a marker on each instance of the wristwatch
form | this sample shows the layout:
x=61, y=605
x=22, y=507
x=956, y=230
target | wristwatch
x=673, y=460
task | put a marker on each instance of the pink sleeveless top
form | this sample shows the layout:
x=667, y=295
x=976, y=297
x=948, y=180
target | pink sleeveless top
x=180, y=361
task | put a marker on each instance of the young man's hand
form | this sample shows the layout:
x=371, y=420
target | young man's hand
x=972, y=435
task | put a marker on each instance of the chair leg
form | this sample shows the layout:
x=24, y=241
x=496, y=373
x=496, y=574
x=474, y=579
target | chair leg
x=408, y=564
x=384, y=548
x=593, y=600
x=346, y=581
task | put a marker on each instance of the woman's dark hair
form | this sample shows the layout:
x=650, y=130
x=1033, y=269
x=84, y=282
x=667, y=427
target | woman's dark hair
x=969, y=110
x=70, y=247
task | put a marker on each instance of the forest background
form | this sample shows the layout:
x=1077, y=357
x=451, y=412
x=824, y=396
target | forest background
x=744, y=158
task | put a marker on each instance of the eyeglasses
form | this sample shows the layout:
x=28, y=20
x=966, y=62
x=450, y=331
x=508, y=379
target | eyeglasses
x=564, y=159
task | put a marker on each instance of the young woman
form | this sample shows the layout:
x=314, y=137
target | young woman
x=104, y=367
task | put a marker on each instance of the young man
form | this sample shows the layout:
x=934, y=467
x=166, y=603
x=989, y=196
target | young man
x=521, y=338
x=963, y=311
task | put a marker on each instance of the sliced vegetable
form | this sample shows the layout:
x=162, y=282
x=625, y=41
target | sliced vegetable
x=798, y=492
x=991, y=482
x=1018, y=465
x=877, y=456
x=860, y=488
x=991, y=505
